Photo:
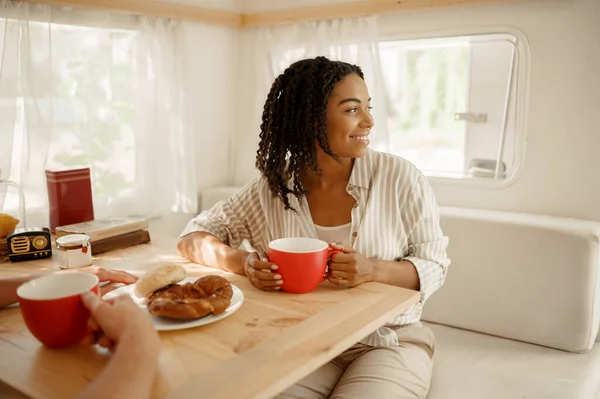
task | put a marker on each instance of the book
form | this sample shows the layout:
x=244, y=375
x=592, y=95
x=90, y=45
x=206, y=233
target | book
x=101, y=229
x=120, y=241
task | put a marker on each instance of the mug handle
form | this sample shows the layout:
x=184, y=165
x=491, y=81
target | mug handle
x=330, y=253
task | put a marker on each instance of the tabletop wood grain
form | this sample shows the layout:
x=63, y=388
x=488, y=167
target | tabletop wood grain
x=272, y=341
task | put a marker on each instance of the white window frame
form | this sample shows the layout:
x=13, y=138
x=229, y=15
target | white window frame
x=521, y=92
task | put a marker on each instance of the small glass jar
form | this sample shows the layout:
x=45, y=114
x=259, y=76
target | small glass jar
x=74, y=251
x=12, y=211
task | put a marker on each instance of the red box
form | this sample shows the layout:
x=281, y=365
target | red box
x=69, y=196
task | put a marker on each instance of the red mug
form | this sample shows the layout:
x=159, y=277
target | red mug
x=52, y=308
x=302, y=262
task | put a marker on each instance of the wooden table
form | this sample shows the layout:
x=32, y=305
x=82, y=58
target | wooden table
x=272, y=341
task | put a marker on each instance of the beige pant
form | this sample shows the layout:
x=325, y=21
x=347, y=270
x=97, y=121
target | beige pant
x=399, y=372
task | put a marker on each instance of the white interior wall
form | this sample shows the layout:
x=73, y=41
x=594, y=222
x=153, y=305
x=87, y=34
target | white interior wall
x=210, y=75
x=559, y=174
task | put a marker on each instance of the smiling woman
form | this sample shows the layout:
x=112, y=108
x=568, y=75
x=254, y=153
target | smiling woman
x=317, y=172
x=297, y=114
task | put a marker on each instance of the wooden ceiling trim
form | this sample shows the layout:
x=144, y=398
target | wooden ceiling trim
x=360, y=8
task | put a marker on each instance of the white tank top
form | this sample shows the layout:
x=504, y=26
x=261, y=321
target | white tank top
x=335, y=233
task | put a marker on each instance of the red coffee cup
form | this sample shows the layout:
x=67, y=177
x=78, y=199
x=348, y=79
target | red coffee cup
x=52, y=308
x=302, y=262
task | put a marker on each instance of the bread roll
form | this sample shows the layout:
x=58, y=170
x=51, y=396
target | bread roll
x=157, y=278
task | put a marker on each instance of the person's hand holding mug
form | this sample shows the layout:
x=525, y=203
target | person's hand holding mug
x=262, y=273
x=349, y=268
x=116, y=320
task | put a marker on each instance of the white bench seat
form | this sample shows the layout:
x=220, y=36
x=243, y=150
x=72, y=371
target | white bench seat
x=471, y=365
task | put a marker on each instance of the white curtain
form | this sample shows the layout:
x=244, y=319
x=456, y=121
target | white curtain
x=268, y=51
x=90, y=88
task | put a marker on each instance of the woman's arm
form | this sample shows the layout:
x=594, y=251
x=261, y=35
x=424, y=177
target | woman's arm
x=401, y=274
x=426, y=242
x=212, y=237
x=208, y=250
x=350, y=269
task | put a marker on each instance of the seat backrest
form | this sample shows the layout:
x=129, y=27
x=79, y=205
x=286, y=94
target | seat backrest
x=526, y=277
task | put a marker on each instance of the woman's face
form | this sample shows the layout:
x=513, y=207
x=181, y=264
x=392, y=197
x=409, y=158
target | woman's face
x=349, y=119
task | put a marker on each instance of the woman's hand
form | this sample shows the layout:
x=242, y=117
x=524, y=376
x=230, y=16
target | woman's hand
x=261, y=273
x=117, y=319
x=349, y=268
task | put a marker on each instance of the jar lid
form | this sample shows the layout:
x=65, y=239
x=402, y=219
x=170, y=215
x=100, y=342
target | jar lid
x=73, y=239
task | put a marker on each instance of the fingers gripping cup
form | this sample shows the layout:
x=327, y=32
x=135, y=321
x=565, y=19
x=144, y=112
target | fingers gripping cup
x=52, y=309
x=302, y=262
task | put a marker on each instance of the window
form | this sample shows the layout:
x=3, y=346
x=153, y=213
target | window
x=94, y=106
x=428, y=84
x=88, y=100
x=99, y=90
x=453, y=104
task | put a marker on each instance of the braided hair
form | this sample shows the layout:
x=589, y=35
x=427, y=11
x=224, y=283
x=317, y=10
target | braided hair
x=294, y=121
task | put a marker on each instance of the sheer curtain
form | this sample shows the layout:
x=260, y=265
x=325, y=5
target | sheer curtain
x=90, y=88
x=268, y=51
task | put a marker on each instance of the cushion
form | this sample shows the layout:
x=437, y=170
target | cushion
x=531, y=278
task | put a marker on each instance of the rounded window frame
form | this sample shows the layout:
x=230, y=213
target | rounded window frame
x=523, y=71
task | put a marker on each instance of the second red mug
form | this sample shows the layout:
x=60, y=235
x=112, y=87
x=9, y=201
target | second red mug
x=302, y=262
x=52, y=308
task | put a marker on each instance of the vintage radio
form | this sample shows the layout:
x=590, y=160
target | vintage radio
x=29, y=244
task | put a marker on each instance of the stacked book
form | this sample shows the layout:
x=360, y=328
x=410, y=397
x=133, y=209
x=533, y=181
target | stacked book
x=110, y=233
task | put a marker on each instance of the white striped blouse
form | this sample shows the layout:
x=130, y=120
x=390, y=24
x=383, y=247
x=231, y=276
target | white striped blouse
x=395, y=218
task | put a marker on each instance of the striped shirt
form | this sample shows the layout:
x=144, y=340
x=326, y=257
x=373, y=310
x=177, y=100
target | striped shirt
x=395, y=218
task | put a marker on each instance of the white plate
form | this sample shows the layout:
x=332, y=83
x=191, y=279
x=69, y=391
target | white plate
x=167, y=324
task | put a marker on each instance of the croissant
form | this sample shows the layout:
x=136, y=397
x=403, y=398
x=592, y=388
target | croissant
x=207, y=295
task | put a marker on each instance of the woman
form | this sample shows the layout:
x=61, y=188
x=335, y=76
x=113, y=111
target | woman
x=319, y=179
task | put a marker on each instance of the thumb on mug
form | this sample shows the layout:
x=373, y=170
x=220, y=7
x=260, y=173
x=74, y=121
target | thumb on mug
x=91, y=301
x=347, y=249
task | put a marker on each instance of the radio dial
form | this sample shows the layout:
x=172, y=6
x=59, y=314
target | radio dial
x=40, y=242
